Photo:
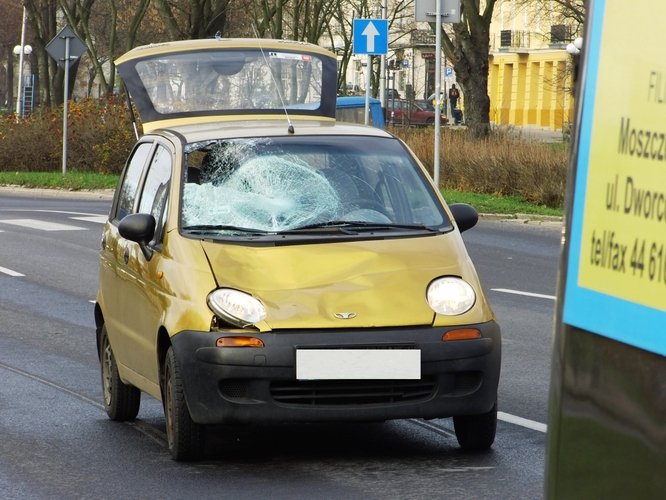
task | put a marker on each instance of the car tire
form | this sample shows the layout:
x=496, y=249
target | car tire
x=121, y=401
x=476, y=432
x=430, y=122
x=184, y=436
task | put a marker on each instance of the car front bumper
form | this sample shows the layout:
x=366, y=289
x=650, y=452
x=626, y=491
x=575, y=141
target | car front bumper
x=247, y=384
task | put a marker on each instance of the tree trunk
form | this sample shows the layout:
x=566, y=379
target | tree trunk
x=470, y=63
x=468, y=49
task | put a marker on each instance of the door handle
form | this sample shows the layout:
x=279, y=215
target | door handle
x=126, y=255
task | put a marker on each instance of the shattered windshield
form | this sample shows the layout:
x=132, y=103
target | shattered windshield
x=224, y=80
x=277, y=185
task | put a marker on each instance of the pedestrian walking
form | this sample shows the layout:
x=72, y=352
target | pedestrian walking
x=454, y=95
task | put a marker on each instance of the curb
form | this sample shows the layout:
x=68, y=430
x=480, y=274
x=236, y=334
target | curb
x=525, y=218
x=97, y=194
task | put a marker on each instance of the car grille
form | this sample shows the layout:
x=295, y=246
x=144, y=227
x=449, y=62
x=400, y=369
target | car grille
x=351, y=392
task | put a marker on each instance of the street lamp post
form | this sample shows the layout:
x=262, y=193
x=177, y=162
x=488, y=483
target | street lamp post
x=21, y=50
x=574, y=50
x=26, y=50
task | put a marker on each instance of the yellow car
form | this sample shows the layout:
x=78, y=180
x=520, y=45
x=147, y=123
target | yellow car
x=262, y=263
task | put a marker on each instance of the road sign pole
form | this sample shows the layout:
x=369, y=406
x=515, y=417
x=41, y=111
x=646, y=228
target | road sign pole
x=65, y=109
x=382, y=64
x=368, y=84
x=438, y=87
x=66, y=47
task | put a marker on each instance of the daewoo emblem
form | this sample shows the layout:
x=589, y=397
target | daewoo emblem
x=345, y=315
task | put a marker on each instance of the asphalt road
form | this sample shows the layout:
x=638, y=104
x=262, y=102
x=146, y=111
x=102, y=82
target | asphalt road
x=56, y=442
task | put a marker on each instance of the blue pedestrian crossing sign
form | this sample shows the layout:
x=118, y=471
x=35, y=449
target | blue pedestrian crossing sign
x=371, y=36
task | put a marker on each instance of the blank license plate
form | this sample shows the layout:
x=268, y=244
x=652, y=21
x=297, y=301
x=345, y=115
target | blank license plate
x=355, y=364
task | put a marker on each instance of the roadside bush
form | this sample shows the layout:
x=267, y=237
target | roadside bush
x=100, y=138
x=99, y=135
x=503, y=164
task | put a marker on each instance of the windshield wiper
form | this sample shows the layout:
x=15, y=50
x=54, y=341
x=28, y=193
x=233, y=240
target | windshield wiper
x=207, y=228
x=354, y=226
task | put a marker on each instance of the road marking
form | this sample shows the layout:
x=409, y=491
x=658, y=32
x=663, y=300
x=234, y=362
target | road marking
x=98, y=219
x=42, y=225
x=4, y=270
x=523, y=422
x=149, y=431
x=526, y=294
x=505, y=417
x=47, y=211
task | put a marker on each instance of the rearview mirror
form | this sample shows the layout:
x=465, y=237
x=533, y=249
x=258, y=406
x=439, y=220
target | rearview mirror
x=465, y=215
x=139, y=228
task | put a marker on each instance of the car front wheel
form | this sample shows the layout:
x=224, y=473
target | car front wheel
x=121, y=401
x=476, y=432
x=184, y=436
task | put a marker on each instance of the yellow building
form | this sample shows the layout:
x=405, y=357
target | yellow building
x=530, y=78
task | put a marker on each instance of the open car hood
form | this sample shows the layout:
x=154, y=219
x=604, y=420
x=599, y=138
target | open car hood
x=223, y=79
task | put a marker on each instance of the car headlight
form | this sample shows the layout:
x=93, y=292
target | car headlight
x=450, y=296
x=236, y=307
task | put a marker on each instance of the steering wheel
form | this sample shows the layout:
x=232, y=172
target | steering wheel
x=369, y=204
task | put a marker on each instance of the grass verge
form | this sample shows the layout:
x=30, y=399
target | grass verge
x=490, y=204
x=84, y=181
x=72, y=181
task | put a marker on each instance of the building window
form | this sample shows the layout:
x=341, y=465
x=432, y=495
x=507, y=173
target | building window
x=505, y=38
x=560, y=33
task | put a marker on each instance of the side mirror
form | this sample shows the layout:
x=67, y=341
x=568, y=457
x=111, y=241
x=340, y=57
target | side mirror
x=465, y=215
x=139, y=228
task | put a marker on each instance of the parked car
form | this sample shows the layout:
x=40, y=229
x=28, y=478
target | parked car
x=401, y=112
x=352, y=110
x=352, y=90
x=262, y=262
x=424, y=104
x=392, y=94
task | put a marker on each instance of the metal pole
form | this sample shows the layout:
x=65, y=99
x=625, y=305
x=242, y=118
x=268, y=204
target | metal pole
x=368, y=83
x=382, y=62
x=438, y=86
x=447, y=107
x=19, y=94
x=65, y=109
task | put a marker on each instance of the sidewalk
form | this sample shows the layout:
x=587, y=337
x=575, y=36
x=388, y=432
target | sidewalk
x=532, y=132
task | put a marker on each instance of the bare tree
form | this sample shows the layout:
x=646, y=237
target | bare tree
x=193, y=18
x=303, y=20
x=42, y=18
x=11, y=14
x=571, y=12
x=341, y=29
x=468, y=49
x=97, y=23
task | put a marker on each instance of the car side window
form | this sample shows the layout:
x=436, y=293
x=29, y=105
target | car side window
x=156, y=188
x=130, y=186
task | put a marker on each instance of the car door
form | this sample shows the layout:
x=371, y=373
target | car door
x=113, y=275
x=124, y=287
x=144, y=296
